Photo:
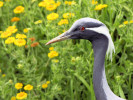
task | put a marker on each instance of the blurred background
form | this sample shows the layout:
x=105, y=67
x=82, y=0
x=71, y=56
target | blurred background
x=30, y=70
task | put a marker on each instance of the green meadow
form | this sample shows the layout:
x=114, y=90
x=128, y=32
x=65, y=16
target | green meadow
x=31, y=70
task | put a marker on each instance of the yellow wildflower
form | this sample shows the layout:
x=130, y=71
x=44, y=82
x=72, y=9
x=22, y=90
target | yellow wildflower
x=28, y=87
x=13, y=98
x=48, y=82
x=20, y=42
x=12, y=29
x=3, y=75
x=53, y=54
x=45, y=3
x=70, y=2
x=58, y=3
x=44, y=85
x=125, y=22
x=50, y=2
x=15, y=19
x=94, y=2
x=52, y=16
x=51, y=48
x=1, y=4
x=63, y=30
x=25, y=30
x=5, y=34
x=0, y=70
x=21, y=36
x=9, y=40
x=38, y=22
x=100, y=6
x=68, y=15
x=55, y=60
x=18, y=86
x=18, y=9
x=42, y=4
x=51, y=7
x=131, y=21
x=63, y=21
x=21, y=95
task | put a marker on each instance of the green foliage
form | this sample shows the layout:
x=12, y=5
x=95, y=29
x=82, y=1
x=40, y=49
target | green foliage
x=71, y=77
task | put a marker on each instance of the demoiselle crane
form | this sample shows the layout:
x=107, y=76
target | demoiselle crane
x=98, y=34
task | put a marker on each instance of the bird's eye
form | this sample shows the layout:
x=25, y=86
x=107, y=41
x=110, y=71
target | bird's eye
x=82, y=28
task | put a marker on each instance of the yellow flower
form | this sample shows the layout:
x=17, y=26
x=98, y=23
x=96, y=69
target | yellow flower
x=44, y=85
x=20, y=42
x=131, y=21
x=53, y=54
x=45, y=3
x=9, y=40
x=70, y=2
x=52, y=16
x=5, y=34
x=63, y=21
x=51, y=7
x=51, y=48
x=125, y=22
x=58, y=3
x=21, y=36
x=68, y=15
x=3, y=75
x=94, y=2
x=42, y=4
x=100, y=6
x=63, y=30
x=13, y=98
x=48, y=82
x=18, y=86
x=28, y=87
x=25, y=30
x=0, y=70
x=1, y=4
x=38, y=22
x=19, y=9
x=50, y=1
x=12, y=29
x=55, y=60
x=15, y=19
x=21, y=95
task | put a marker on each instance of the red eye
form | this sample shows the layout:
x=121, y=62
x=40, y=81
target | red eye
x=82, y=28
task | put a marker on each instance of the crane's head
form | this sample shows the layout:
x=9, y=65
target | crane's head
x=86, y=28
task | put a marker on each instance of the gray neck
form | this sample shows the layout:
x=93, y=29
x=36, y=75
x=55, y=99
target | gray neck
x=101, y=87
x=99, y=47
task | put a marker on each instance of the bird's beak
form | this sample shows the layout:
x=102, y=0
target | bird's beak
x=63, y=36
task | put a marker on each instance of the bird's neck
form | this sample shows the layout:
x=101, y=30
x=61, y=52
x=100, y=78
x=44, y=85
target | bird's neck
x=101, y=87
x=99, y=48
